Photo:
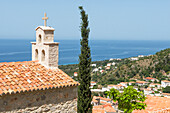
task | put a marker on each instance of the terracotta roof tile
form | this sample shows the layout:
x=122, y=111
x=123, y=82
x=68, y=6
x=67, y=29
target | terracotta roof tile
x=141, y=82
x=93, y=82
x=154, y=84
x=31, y=75
x=98, y=111
x=156, y=104
x=119, y=85
x=109, y=108
x=103, y=109
x=149, y=78
x=131, y=82
x=165, y=81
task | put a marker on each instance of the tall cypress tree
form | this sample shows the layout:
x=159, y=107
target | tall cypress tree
x=84, y=94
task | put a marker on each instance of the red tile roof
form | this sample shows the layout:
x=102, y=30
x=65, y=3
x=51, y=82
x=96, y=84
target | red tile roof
x=149, y=78
x=98, y=109
x=156, y=104
x=119, y=85
x=155, y=84
x=92, y=82
x=141, y=82
x=101, y=100
x=123, y=82
x=111, y=85
x=31, y=75
x=165, y=81
x=168, y=94
x=131, y=82
x=109, y=108
x=103, y=109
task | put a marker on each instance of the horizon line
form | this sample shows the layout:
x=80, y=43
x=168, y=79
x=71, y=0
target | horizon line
x=93, y=39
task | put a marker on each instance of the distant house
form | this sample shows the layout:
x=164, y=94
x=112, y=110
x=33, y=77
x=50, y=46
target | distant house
x=134, y=58
x=92, y=84
x=155, y=85
x=110, y=59
x=103, y=109
x=109, y=64
x=104, y=103
x=113, y=63
x=165, y=83
x=151, y=79
x=118, y=59
x=100, y=90
x=147, y=91
x=105, y=89
x=140, y=56
x=95, y=101
x=95, y=70
x=108, y=67
x=166, y=94
x=112, y=86
x=141, y=83
x=101, y=71
x=124, y=84
x=75, y=74
x=118, y=87
x=108, y=100
x=93, y=65
x=131, y=83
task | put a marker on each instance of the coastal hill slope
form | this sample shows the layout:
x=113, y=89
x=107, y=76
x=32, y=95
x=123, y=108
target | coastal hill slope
x=148, y=66
x=157, y=66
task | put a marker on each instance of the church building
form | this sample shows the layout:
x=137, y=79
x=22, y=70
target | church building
x=38, y=85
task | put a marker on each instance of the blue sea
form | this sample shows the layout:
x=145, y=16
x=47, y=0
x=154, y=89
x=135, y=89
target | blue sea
x=69, y=50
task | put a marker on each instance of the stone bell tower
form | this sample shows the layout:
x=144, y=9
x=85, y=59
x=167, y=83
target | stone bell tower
x=45, y=50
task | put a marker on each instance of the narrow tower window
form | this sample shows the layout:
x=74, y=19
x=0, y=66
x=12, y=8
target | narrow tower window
x=43, y=56
x=39, y=39
x=36, y=54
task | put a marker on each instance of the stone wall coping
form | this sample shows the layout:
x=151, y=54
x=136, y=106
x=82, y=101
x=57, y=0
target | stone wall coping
x=45, y=28
x=51, y=43
x=47, y=43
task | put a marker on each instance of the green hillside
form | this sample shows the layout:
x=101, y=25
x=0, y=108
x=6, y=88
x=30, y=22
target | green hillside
x=157, y=66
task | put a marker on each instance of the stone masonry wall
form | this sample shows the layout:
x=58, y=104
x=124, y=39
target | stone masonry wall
x=60, y=100
x=53, y=55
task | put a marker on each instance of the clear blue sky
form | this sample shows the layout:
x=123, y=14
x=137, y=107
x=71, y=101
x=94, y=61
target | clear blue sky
x=109, y=19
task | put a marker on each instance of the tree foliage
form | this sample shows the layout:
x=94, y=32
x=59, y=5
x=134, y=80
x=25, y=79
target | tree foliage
x=129, y=100
x=166, y=89
x=164, y=60
x=84, y=94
